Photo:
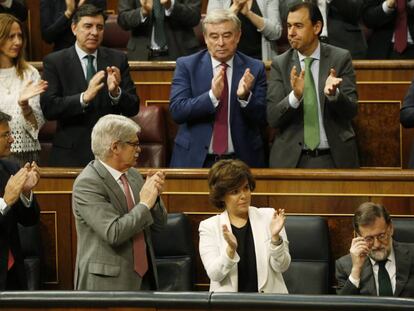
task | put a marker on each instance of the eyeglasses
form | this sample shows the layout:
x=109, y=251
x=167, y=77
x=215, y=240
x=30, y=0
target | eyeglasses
x=134, y=144
x=382, y=238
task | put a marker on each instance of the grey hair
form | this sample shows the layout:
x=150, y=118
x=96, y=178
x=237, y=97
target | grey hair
x=219, y=16
x=109, y=129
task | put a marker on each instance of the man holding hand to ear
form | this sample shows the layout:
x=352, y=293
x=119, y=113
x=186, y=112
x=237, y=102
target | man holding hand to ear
x=86, y=82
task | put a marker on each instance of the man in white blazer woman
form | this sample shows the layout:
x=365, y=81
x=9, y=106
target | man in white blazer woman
x=243, y=249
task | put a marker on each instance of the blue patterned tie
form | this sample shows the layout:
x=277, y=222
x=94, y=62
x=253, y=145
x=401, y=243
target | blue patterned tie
x=159, y=34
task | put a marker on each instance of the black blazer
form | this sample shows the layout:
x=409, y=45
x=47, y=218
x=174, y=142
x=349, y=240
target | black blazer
x=61, y=102
x=9, y=238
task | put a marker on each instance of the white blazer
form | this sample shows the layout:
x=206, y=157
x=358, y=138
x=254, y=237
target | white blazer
x=271, y=260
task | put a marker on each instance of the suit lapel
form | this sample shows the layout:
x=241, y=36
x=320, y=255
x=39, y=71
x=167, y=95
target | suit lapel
x=102, y=60
x=206, y=71
x=367, y=280
x=73, y=62
x=323, y=74
x=135, y=184
x=238, y=71
x=112, y=185
x=402, y=265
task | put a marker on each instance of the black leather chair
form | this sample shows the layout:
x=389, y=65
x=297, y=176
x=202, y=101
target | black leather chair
x=309, y=271
x=174, y=253
x=403, y=229
x=30, y=241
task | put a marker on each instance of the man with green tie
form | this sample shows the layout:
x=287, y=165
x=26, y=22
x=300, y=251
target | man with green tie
x=86, y=82
x=376, y=264
x=312, y=98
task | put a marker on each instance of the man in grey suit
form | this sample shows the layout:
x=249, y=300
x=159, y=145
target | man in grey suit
x=112, y=224
x=376, y=265
x=334, y=100
x=160, y=29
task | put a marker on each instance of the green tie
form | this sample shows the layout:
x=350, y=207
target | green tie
x=310, y=108
x=384, y=282
x=90, y=69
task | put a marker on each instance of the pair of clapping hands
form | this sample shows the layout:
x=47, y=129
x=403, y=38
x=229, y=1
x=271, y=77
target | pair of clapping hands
x=113, y=81
x=152, y=188
x=276, y=225
x=21, y=182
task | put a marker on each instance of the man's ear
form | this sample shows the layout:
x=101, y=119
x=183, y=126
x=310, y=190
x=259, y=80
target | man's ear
x=73, y=27
x=317, y=27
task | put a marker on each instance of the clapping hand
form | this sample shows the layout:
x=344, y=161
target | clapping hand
x=146, y=7
x=32, y=179
x=277, y=223
x=152, y=188
x=231, y=241
x=113, y=80
x=217, y=83
x=332, y=83
x=297, y=82
x=245, y=85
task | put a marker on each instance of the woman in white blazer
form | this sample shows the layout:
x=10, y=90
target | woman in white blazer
x=243, y=249
x=266, y=21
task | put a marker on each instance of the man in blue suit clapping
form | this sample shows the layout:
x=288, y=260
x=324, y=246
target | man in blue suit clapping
x=218, y=98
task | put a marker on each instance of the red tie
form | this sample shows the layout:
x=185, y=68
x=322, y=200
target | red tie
x=400, y=30
x=140, y=253
x=220, y=130
x=10, y=262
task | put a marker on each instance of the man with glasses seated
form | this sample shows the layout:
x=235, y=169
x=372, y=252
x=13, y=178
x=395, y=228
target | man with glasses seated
x=114, y=209
x=377, y=265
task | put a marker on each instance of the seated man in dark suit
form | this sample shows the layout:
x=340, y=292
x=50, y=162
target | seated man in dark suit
x=218, y=97
x=377, y=265
x=17, y=205
x=14, y=7
x=86, y=82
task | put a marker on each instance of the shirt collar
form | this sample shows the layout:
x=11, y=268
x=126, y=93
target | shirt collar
x=81, y=53
x=115, y=173
x=216, y=63
x=316, y=54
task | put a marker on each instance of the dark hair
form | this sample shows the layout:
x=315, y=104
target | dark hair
x=4, y=117
x=367, y=213
x=225, y=176
x=315, y=14
x=87, y=10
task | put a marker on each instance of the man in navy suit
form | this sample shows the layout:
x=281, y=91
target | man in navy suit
x=86, y=82
x=219, y=94
x=17, y=205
